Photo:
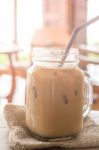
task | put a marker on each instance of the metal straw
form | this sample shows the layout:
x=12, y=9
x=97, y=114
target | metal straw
x=76, y=30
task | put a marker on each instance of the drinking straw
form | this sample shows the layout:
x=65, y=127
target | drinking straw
x=74, y=33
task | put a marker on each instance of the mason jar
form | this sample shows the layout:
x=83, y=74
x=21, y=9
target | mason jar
x=57, y=98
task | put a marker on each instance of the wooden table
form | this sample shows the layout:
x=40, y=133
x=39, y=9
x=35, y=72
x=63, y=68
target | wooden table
x=4, y=133
x=10, y=50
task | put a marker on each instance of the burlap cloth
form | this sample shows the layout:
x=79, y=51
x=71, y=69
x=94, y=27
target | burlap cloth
x=20, y=138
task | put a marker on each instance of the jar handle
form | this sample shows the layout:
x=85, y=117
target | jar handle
x=88, y=95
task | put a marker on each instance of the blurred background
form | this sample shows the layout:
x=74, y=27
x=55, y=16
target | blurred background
x=26, y=24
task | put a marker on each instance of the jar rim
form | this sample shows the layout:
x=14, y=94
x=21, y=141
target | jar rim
x=54, y=54
x=52, y=58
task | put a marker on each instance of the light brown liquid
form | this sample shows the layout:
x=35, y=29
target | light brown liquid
x=54, y=101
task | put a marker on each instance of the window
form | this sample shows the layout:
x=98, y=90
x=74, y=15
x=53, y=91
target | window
x=29, y=17
x=93, y=30
x=6, y=20
x=19, y=19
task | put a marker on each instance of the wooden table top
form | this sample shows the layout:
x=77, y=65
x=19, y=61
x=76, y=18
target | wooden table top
x=9, y=48
x=4, y=132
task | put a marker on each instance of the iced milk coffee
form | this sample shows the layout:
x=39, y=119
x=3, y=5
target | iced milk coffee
x=54, y=101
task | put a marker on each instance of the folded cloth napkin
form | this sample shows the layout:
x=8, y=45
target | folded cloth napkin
x=20, y=138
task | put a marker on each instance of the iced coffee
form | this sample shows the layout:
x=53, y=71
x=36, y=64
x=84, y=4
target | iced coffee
x=54, y=101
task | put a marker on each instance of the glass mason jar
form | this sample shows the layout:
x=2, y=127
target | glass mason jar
x=57, y=98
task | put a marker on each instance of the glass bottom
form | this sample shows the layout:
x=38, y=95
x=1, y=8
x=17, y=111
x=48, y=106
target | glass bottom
x=54, y=139
x=48, y=139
